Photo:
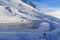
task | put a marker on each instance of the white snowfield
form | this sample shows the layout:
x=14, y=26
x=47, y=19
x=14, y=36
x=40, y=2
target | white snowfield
x=17, y=13
x=17, y=17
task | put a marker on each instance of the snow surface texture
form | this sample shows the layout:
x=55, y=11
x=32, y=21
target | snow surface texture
x=20, y=20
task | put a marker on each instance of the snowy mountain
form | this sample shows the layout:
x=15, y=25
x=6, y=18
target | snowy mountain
x=20, y=12
x=22, y=16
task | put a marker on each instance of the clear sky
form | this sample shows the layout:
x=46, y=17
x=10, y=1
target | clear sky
x=46, y=3
x=51, y=7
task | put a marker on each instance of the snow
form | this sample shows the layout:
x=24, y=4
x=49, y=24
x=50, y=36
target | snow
x=55, y=13
x=20, y=21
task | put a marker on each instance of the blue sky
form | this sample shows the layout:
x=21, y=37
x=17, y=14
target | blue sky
x=46, y=3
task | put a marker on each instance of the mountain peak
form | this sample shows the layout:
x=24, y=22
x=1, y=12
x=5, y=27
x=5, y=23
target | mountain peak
x=29, y=2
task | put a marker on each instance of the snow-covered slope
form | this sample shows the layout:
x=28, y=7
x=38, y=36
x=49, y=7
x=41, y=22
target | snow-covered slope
x=12, y=11
x=19, y=16
x=17, y=8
